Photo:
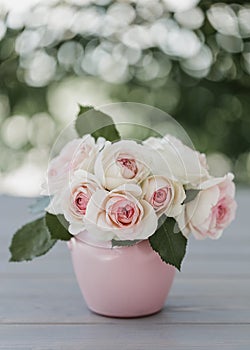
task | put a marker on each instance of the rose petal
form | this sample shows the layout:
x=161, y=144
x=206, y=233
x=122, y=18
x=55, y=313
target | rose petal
x=133, y=189
x=199, y=209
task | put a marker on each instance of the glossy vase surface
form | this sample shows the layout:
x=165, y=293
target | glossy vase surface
x=121, y=281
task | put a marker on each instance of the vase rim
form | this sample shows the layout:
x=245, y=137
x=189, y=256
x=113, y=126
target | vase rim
x=86, y=238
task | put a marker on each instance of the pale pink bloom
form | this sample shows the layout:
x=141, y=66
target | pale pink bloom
x=165, y=196
x=74, y=199
x=120, y=214
x=211, y=211
x=76, y=154
x=177, y=161
x=122, y=162
x=128, y=165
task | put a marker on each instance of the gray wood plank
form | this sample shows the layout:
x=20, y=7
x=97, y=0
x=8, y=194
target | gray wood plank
x=129, y=335
x=58, y=300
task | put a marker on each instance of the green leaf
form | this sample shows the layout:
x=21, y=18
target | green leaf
x=96, y=123
x=30, y=241
x=169, y=243
x=58, y=227
x=127, y=243
x=190, y=195
x=39, y=205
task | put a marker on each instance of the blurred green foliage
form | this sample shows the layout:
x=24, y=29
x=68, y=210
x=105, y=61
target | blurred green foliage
x=188, y=58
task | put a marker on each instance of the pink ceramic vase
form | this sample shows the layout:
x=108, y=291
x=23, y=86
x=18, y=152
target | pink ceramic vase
x=121, y=282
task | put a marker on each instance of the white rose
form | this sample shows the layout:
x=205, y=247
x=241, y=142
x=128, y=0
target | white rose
x=120, y=214
x=122, y=162
x=76, y=154
x=211, y=211
x=165, y=196
x=177, y=161
x=73, y=201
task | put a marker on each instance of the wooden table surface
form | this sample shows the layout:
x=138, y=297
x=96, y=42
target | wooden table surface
x=208, y=308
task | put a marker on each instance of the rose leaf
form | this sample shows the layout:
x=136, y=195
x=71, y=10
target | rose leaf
x=96, y=123
x=169, y=243
x=30, y=241
x=58, y=227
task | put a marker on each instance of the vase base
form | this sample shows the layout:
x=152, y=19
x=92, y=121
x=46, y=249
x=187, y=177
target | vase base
x=147, y=313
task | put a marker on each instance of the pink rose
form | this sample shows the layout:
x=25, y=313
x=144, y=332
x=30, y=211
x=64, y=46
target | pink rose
x=164, y=195
x=120, y=214
x=76, y=154
x=211, y=211
x=123, y=162
x=74, y=199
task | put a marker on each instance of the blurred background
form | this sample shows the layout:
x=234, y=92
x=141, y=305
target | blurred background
x=189, y=58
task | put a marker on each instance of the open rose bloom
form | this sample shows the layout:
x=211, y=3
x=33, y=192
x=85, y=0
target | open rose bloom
x=117, y=192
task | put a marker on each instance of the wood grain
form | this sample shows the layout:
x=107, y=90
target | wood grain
x=128, y=335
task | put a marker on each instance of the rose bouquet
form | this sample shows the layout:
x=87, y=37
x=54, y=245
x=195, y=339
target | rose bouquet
x=102, y=188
